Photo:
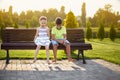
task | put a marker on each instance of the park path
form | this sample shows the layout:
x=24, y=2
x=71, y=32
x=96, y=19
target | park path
x=95, y=69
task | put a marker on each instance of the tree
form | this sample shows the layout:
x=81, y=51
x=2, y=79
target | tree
x=92, y=21
x=108, y=7
x=112, y=34
x=79, y=21
x=106, y=15
x=15, y=25
x=34, y=21
x=52, y=14
x=22, y=18
x=1, y=17
x=83, y=16
x=10, y=10
x=62, y=12
x=101, y=31
x=88, y=31
x=70, y=21
x=44, y=12
x=15, y=17
x=7, y=20
x=27, y=25
x=50, y=24
x=2, y=25
x=10, y=16
x=29, y=14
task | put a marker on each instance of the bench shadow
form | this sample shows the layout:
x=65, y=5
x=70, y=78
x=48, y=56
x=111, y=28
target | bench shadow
x=63, y=71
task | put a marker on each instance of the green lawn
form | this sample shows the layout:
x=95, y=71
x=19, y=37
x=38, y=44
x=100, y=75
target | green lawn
x=105, y=49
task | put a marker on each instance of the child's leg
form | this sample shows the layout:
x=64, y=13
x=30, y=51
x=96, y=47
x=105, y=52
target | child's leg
x=55, y=52
x=55, y=45
x=36, y=52
x=47, y=53
x=69, y=53
x=68, y=50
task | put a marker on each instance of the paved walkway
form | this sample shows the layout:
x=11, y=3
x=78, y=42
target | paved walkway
x=62, y=70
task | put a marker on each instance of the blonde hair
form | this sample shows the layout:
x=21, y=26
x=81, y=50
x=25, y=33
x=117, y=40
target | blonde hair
x=42, y=18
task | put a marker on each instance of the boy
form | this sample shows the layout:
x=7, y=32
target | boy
x=59, y=37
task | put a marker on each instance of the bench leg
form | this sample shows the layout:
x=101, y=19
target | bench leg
x=82, y=53
x=78, y=55
x=7, y=57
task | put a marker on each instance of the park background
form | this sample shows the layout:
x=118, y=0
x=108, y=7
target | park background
x=100, y=20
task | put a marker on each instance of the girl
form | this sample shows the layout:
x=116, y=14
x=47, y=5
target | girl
x=42, y=38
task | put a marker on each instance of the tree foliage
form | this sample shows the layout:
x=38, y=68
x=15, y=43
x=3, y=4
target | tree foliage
x=107, y=16
x=27, y=24
x=9, y=18
x=70, y=21
x=83, y=15
x=62, y=12
x=112, y=34
x=16, y=25
x=101, y=32
x=88, y=31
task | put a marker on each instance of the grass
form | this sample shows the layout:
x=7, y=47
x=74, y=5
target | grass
x=106, y=50
x=29, y=54
x=107, y=29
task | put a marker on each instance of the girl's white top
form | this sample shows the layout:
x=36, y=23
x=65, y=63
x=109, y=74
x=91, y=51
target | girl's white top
x=43, y=38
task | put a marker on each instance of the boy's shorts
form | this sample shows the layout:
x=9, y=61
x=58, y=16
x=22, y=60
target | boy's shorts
x=57, y=43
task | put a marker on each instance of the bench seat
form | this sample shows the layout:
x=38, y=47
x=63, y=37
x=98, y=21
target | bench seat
x=30, y=45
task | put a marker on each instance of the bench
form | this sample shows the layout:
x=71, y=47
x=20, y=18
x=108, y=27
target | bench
x=14, y=39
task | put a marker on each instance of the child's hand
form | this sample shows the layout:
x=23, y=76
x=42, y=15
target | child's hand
x=64, y=40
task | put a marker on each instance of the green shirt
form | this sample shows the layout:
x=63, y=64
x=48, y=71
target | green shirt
x=59, y=33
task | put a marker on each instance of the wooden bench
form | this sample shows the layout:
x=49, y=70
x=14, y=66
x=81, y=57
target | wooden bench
x=14, y=39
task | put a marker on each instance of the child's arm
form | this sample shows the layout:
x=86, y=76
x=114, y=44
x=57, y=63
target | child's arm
x=48, y=32
x=60, y=41
x=65, y=36
x=36, y=35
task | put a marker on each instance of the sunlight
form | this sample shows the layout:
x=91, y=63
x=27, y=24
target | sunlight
x=75, y=6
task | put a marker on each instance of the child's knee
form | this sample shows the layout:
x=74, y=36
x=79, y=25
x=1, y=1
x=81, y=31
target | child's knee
x=38, y=46
x=47, y=49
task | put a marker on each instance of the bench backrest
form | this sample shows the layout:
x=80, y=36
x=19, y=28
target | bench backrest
x=27, y=35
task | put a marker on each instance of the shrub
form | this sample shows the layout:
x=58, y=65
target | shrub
x=112, y=34
x=15, y=25
x=101, y=32
x=88, y=31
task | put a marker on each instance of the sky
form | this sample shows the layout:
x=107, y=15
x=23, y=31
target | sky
x=70, y=5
